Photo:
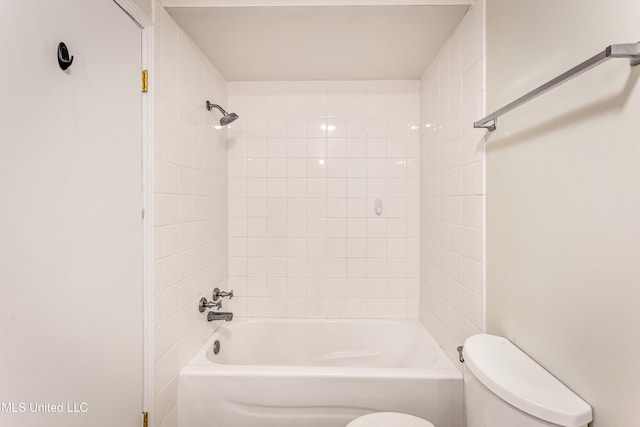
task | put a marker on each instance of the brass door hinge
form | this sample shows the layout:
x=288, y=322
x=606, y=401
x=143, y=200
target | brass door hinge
x=145, y=80
x=145, y=419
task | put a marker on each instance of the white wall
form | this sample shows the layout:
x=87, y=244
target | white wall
x=306, y=162
x=452, y=187
x=71, y=253
x=563, y=203
x=190, y=204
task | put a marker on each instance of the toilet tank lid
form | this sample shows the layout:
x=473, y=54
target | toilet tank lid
x=517, y=379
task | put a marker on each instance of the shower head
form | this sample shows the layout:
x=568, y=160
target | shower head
x=226, y=117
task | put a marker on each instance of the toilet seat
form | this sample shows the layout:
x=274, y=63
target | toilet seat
x=389, y=419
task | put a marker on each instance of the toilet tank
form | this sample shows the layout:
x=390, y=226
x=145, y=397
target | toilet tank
x=503, y=387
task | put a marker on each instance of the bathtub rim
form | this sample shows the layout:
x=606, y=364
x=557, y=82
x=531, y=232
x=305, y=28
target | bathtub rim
x=201, y=365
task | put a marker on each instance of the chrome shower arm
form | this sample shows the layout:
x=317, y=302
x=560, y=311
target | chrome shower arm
x=211, y=106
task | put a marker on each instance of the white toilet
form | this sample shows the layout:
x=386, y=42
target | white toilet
x=503, y=387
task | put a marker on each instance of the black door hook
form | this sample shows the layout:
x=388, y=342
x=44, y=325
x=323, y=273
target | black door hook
x=63, y=56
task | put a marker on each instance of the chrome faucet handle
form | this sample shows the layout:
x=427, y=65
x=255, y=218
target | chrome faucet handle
x=217, y=293
x=204, y=304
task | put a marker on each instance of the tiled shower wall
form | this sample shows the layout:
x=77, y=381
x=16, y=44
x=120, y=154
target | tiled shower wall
x=452, y=292
x=306, y=162
x=190, y=205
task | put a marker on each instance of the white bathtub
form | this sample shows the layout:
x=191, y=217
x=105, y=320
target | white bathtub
x=317, y=373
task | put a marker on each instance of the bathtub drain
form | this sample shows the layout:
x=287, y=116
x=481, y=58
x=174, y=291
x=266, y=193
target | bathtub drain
x=216, y=347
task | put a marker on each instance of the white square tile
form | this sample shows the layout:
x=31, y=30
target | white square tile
x=356, y=168
x=377, y=103
x=297, y=187
x=296, y=147
x=376, y=127
x=296, y=207
x=297, y=247
x=356, y=308
x=336, y=168
x=376, y=248
x=356, y=127
x=316, y=147
x=336, y=127
x=297, y=227
x=336, y=227
x=376, y=227
x=356, y=227
x=356, y=247
x=397, y=104
x=398, y=248
x=356, y=147
x=377, y=187
x=316, y=127
x=356, y=267
x=237, y=246
x=237, y=147
x=356, y=187
x=277, y=286
x=356, y=105
x=337, y=248
x=317, y=227
x=296, y=128
x=277, y=128
x=473, y=211
x=398, y=127
x=257, y=206
x=296, y=267
x=317, y=105
x=256, y=127
x=336, y=106
x=237, y=167
x=336, y=207
x=397, y=168
x=336, y=187
x=276, y=187
x=277, y=246
x=317, y=208
x=276, y=227
x=276, y=267
x=276, y=168
x=337, y=147
x=257, y=227
x=397, y=147
x=296, y=168
x=376, y=308
x=316, y=187
x=376, y=147
x=357, y=207
x=377, y=168
x=257, y=168
x=277, y=147
x=317, y=167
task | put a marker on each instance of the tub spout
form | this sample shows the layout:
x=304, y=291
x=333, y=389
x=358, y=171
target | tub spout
x=219, y=315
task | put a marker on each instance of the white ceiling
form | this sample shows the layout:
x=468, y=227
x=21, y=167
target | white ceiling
x=246, y=42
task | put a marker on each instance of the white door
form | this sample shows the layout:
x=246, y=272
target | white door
x=71, y=252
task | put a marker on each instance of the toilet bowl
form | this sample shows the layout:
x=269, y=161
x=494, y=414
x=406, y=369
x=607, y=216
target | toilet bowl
x=389, y=419
x=503, y=387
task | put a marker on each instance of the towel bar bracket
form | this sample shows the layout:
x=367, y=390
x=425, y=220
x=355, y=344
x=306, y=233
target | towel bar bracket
x=490, y=125
x=626, y=50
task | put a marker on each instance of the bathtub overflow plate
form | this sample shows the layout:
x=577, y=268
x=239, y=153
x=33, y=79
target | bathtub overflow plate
x=216, y=347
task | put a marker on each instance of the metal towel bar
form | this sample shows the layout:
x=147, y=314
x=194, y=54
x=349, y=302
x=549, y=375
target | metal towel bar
x=629, y=50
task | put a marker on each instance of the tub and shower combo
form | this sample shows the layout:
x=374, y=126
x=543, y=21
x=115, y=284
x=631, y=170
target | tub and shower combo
x=317, y=373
